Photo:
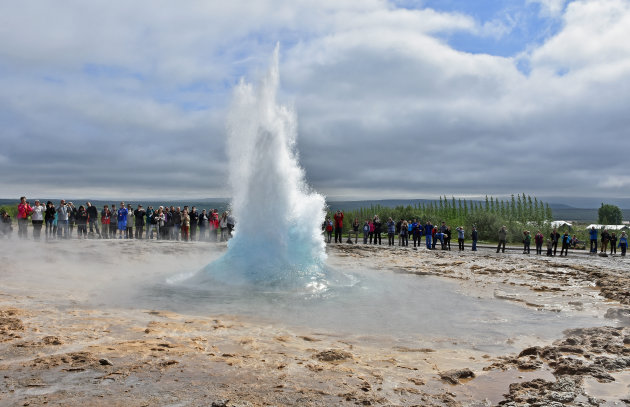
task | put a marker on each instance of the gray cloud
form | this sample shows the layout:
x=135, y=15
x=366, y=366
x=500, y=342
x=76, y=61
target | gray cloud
x=130, y=99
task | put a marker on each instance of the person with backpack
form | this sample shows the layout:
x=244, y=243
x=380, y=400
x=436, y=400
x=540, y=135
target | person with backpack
x=623, y=243
x=566, y=242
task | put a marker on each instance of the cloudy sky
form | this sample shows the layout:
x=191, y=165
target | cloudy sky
x=395, y=99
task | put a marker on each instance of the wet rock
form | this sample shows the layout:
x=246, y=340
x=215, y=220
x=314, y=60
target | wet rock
x=105, y=362
x=10, y=324
x=453, y=376
x=621, y=314
x=220, y=403
x=333, y=355
x=534, y=350
x=51, y=340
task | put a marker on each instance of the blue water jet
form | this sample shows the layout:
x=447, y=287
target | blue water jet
x=277, y=241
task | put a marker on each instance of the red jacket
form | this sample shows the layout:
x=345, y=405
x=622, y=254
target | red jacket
x=24, y=210
x=339, y=219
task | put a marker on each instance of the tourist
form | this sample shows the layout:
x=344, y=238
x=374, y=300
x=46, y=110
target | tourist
x=202, y=222
x=428, y=228
x=5, y=224
x=366, y=231
x=613, y=243
x=139, y=215
x=122, y=220
x=213, y=225
x=527, y=238
x=185, y=225
x=502, y=239
x=93, y=219
x=63, y=227
x=113, y=223
x=82, y=220
x=391, y=231
x=223, y=225
x=194, y=222
x=355, y=230
x=231, y=223
x=404, y=234
x=566, y=241
x=623, y=243
x=377, y=229
x=148, y=216
x=461, y=235
x=593, y=235
x=169, y=222
x=24, y=211
x=72, y=218
x=549, y=247
x=49, y=218
x=106, y=220
x=328, y=227
x=447, y=238
x=605, y=238
x=438, y=235
x=475, y=237
x=131, y=221
x=177, y=222
x=38, y=219
x=371, y=234
x=555, y=238
x=338, y=217
x=160, y=220
x=398, y=225
x=416, y=230
x=539, y=239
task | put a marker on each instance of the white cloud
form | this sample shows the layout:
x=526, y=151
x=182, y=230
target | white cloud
x=550, y=8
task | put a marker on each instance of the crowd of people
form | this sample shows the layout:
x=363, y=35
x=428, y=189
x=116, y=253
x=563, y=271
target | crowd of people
x=175, y=223
x=373, y=229
x=164, y=223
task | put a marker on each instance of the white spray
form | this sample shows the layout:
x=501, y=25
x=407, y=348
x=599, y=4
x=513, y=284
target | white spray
x=278, y=217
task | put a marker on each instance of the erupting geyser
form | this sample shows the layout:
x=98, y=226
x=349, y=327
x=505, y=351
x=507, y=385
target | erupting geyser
x=278, y=239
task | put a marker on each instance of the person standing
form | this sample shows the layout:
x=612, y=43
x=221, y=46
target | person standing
x=148, y=220
x=24, y=211
x=366, y=231
x=461, y=235
x=623, y=243
x=231, y=223
x=377, y=229
x=185, y=225
x=38, y=219
x=106, y=219
x=49, y=218
x=82, y=220
x=93, y=219
x=502, y=239
x=122, y=220
x=416, y=229
x=593, y=235
x=328, y=226
x=555, y=238
x=566, y=241
x=604, y=239
x=131, y=220
x=223, y=225
x=203, y=225
x=527, y=239
x=213, y=225
x=72, y=218
x=194, y=222
x=355, y=230
x=391, y=231
x=428, y=233
x=139, y=215
x=447, y=238
x=538, y=239
x=338, y=217
x=475, y=237
x=613, y=243
x=404, y=233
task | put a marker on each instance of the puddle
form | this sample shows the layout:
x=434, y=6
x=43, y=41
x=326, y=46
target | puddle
x=611, y=392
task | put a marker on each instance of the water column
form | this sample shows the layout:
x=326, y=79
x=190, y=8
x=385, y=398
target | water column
x=278, y=239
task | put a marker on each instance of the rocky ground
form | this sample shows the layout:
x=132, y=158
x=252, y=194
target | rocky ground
x=57, y=350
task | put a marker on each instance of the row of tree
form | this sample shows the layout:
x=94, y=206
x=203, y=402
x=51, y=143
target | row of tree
x=518, y=213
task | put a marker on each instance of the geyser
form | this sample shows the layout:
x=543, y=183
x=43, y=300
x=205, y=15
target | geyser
x=277, y=241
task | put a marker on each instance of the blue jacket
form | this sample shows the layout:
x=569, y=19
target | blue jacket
x=593, y=233
x=391, y=227
x=623, y=240
x=427, y=229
